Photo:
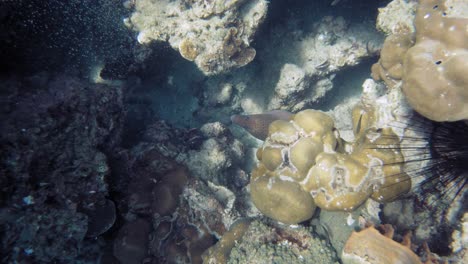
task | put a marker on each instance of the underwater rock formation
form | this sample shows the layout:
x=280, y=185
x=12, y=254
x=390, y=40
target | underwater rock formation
x=54, y=135
x=312, y=58
x=396, y=15
x=181, y=209
x=294, y=68
x=216, y=35
x=253, y=241
x=220, y=155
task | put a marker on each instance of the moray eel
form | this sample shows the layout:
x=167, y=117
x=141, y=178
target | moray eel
x=257, y=125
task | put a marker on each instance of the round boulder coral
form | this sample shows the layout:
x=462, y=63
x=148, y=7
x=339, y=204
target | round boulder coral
x=281, y=198
x=338, y=182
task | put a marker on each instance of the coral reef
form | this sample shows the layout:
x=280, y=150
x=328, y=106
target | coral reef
x=294, y=68
x=220, y=252
x=219, y=157
x=257, y=241
x=54, y=135
x=429, y=48
x=303, y=162
x=150, y=187
x=216, y=35
x=427, y=58
x=210, y=153
x=314, y=57
x=434, y=79
x=172, y=212
x=389, y=68
x=265, y=243
x=337, y=226
x=152, y=164
x=369, y=246
x=398, y=14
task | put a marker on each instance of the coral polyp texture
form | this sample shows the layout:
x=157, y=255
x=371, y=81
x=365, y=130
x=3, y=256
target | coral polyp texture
x=216, y=35
x=431, y=62
x=303, y=164
x=435, y=79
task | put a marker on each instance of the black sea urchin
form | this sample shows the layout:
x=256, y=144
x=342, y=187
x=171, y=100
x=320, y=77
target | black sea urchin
x=436, y=156
x=449, y=157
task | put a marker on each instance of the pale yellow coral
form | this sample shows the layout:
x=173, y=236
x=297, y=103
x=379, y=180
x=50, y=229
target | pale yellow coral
x=338, y=182
x=314, y=123
x=429, y=64
x=285, y=158
x=303, y=153
x=435, y=80
x=272, y=158
x=283, y=132
x=302, y=165
x=389, y=68
x=281, y=198
x=380, y=151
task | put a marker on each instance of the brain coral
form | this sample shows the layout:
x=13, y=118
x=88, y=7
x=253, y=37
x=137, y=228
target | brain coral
x=303, y=164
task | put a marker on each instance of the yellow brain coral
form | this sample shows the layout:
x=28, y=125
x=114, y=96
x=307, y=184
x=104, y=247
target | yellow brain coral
x=338, y=182
x=303, y=165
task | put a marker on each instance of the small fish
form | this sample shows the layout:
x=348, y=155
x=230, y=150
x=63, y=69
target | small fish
x=358, y=126
x=257, y=124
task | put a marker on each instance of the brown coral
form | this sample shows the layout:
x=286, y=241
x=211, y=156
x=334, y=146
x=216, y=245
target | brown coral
x=189, y=49
x=369, y=246
x=389, y=68
x=431, y=64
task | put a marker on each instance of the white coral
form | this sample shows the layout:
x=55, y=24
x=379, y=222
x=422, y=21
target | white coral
x=208, y=24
